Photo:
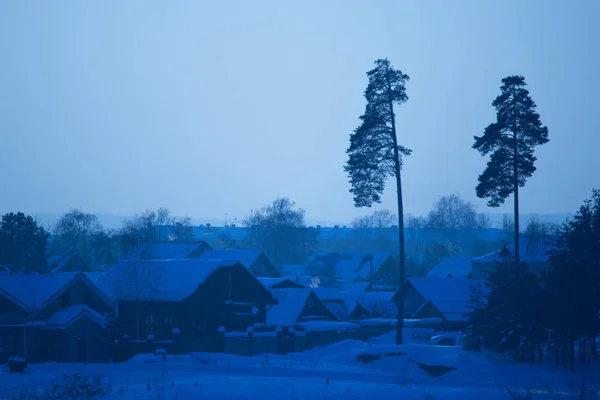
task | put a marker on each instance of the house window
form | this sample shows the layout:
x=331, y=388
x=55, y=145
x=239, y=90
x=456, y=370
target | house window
x=149, y=319
x=168, y=320
x=64, y=299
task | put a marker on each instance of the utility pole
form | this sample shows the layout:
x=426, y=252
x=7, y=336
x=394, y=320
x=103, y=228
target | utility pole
x=225, y=220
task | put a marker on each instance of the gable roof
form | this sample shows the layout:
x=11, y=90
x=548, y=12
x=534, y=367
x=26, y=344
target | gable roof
x=449, y=296
x=350, y=267
x=165, y=250
x=65, y=317
x=244, y=257
x=378, y=301
x=281, y=283
x=357, y=287
x=35, y=291
x=456, y=267
x=290, y=307
x=158, y=280
x=59, y=261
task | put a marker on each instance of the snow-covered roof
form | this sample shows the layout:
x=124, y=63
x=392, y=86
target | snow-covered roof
x=63, y=318
x=350, y=267
x=168, y=250
x=31, y=291
x=357, y=287
x=58, y=261
x=271, y=282
x=449, y=296
x=531, y=251
x=292, y=269
x=341, y=304
x=158, y=280
x=291, y=304
x=456, y=267
x=94, y=276
x=244, y=257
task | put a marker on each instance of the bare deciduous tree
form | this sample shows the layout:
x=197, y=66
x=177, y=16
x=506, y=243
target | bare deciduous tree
x=452, y=212
x=279, y=230
x=377, y=219
x=138, y=279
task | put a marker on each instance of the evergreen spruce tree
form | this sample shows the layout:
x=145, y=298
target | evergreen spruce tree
x=23, y=243
x=374, y=153
x=510, y=141
x=504, y=313
x=572, y=284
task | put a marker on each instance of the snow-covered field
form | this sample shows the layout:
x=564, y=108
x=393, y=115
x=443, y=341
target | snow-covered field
x=350, y=369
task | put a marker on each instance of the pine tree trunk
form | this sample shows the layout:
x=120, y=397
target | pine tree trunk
x=401, y=261
x=594, y=350
x=557, y=355
x=516, y=197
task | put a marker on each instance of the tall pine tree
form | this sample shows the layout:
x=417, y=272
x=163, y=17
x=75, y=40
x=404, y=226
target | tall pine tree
x=374, y=153
x=510, y=141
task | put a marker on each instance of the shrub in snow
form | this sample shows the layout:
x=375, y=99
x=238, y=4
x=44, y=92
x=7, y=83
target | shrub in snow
x=175, y=330
x=16, y=364
x=367, y=358
x=249, y=329
x=221, y=329
x=291, y=330
x=151, y=336
x=125, y=337
x=278, y=329
x=77, y=386
x=254, y=310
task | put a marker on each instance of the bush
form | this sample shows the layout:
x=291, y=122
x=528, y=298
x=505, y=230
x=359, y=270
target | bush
x=367, y=358
x=77, y=386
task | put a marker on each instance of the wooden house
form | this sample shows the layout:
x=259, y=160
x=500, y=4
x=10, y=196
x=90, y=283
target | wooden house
x=192, y=297
x=61, y=317
x=378, y=267
x=297, y=306
x=254, y=260
x=374, y=305
x=445, y=298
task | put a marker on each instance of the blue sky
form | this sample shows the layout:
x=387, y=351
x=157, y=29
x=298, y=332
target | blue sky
x=210, y=107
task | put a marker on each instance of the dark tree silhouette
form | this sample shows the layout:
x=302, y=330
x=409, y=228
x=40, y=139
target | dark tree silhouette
x=572, y=284
x=374, y=153
x=23, y=243
x=279, y=230
x=510, y=140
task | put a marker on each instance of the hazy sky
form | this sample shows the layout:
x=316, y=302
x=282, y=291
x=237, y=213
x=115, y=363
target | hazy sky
x=214, y=107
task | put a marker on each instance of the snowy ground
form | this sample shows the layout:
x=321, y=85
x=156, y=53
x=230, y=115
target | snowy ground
x=386, y=371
